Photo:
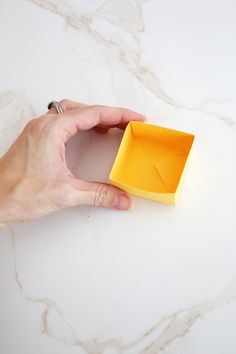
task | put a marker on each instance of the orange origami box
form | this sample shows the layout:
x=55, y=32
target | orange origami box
x=151, y=161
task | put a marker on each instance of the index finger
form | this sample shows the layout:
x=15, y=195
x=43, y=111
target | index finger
x=88, y=117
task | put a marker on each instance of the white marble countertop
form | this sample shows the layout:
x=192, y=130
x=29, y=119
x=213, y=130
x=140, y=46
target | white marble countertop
x=158, y=279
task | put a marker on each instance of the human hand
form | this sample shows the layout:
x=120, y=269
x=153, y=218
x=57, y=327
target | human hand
x=34, y=178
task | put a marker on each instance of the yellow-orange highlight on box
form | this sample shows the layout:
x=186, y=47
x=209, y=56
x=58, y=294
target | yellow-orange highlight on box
x=151, y=161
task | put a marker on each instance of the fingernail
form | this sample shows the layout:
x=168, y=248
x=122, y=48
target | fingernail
x=124, y=202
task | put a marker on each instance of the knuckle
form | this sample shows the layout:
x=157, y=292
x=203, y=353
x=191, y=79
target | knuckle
x=100, y=196
x=64, y=102
x=105, y=197
x=42, y=125
x=30, y=126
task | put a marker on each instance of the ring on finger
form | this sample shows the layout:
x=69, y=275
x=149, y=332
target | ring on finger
x=57, y=106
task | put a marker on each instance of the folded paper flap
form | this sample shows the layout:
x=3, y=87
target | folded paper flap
x=174, y=139
x=123, y=150
x=154, y=182
x=172, y=170
x=160, y=178
x=167, y=162
x=152, y=130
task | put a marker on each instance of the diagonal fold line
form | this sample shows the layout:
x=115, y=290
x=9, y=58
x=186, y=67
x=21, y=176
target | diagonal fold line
x=155, y=167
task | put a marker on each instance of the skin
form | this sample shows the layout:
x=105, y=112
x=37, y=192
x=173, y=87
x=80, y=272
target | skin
x=34, y=178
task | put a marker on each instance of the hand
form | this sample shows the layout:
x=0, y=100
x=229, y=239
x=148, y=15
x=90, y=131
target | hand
x=34, y=178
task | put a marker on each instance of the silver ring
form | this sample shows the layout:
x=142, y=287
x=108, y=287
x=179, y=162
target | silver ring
x=56, y=105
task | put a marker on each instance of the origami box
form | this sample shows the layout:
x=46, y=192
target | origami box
x=151, y=161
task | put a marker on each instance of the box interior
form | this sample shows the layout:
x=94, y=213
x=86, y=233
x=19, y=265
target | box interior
x=152, y=158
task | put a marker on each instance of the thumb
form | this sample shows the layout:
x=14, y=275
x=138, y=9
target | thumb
x=101, y=194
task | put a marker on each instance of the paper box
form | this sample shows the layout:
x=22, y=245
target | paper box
x=151, y=161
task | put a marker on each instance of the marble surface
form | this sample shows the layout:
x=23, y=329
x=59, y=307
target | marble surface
x=158, y=279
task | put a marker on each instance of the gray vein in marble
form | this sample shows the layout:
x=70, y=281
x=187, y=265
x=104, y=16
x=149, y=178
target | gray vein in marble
x=128, y=17
x=112, y=12
x=155, y=340
x=49, y=305
x=225, y=119
x=204, y=108
x=6, y=97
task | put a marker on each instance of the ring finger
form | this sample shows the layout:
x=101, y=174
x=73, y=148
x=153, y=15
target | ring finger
x=66, y=105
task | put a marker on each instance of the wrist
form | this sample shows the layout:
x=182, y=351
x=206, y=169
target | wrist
x=8, y=186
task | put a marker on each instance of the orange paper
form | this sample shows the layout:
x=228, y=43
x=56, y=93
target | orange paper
x=151, y=161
